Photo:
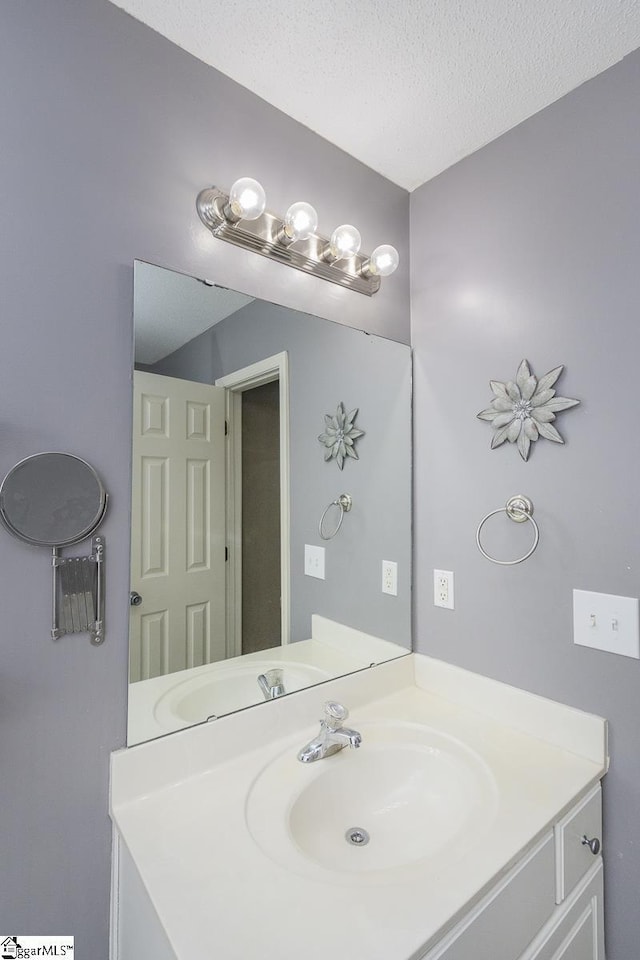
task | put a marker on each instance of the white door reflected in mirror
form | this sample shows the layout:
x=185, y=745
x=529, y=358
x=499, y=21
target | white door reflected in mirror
x=177, y=526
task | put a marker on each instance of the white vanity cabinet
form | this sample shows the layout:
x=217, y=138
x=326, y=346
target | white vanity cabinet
x=195, y=876
x=549, y=906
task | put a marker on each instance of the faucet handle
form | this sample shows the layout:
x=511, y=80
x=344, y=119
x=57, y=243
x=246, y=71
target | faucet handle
x=334, y=714
x=271, y=684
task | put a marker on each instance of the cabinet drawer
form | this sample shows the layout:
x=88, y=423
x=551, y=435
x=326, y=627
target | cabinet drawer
x=573, y=857
x=510, y=915
x=576, y=930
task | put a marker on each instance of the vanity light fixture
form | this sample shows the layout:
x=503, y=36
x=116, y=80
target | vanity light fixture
x=240, y=217
x=382, y=262
x=247, y=201
x=300, y=222
x=343, y=245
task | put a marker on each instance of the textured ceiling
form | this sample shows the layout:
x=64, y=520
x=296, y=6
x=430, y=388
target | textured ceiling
x=406, y=86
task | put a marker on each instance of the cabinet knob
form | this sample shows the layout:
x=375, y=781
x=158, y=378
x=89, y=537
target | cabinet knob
x=594, y=844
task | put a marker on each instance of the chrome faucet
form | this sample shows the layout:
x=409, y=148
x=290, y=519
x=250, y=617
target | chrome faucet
x=271, y=684
x=332, y=737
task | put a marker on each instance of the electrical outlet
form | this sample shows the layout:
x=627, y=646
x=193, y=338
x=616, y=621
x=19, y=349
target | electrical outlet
x=390, y=577
x=314, y=561
x=443, y=588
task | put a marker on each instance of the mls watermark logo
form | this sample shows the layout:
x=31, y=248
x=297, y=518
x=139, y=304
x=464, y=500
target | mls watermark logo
x=17, y=948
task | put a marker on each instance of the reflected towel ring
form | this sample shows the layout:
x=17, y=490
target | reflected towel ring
x=519, y=509
x=344, y=504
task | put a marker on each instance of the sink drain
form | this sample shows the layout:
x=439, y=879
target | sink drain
x=357, y=836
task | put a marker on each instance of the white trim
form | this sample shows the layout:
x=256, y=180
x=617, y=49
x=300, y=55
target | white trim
x=264, y=371
x=234, y=523
x=114, y=911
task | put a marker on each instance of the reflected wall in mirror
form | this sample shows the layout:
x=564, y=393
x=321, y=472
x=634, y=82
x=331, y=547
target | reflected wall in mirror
x=229, y=485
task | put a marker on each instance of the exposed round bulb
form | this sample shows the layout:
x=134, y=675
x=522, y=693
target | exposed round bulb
x=345, y=242
x=247, y=199
x=383, y=261
x=300, y=221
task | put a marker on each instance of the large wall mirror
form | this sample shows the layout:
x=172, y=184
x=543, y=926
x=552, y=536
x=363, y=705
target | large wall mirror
x=236, y=597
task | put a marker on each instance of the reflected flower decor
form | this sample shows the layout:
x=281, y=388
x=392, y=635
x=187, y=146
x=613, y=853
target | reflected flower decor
x=522, y=411
x=340, y=435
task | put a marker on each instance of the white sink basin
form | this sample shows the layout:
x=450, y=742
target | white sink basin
x=407, y=799
x=224, y=689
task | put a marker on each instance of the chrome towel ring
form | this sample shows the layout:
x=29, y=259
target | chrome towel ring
x=519, y=509
x=344, y=504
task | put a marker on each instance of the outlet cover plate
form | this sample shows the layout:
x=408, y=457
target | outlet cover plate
x=443, y=589
x=606, y=622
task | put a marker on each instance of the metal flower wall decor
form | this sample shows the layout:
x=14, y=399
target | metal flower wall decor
x=522, y=411
x=340, y=435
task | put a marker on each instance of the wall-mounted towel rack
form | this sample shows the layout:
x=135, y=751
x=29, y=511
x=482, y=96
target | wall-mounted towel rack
x=519, y=509
x=344, y=504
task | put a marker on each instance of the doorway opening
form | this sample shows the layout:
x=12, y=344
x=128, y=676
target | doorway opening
x=258, y=506
x=260, y=491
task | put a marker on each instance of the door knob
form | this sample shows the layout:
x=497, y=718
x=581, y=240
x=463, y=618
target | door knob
x=135, y=599
x=593, y=844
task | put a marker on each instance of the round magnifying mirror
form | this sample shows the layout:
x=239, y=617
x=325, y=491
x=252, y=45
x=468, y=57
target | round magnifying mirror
x=52, y=500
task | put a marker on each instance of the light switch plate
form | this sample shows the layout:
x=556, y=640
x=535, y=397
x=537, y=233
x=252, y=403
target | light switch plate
x=606, y=622
x=314, y=561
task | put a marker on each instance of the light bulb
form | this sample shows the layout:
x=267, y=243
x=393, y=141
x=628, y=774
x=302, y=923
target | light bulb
x=300, y=221
x=247, y=200
x=344, y=243
x=383, y=261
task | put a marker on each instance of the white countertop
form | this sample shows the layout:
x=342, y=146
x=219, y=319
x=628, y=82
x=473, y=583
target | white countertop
x=179, y=806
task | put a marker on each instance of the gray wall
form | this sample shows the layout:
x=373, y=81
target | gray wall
x=108, y=134
x=530, y=248
x=329, y=363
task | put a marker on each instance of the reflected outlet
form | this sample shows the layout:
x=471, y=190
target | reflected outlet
x=390, y=577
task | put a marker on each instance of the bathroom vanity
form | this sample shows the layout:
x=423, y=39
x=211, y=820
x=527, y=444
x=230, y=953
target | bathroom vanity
x=467, y=825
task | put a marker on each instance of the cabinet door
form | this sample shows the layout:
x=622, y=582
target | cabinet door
x=508, y=918
x=580, y=943
x=139, y=931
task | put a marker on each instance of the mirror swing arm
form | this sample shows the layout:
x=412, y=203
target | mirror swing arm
x=82, y=608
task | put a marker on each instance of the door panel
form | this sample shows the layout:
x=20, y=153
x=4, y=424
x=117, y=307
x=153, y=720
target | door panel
x=177, y=525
